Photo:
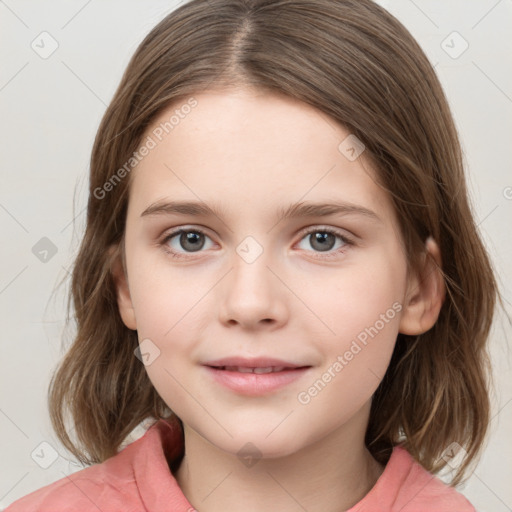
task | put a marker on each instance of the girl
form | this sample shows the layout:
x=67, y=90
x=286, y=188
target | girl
x=323, y=347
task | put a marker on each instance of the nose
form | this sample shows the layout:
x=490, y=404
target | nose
x=253, y=294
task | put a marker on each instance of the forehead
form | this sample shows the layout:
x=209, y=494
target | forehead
x=250, y=148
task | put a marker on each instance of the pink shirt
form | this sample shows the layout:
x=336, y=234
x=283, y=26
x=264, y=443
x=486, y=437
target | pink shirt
x=138, y=479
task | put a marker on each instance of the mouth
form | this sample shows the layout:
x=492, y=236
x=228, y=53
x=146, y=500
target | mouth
x=257, y=369
x=265, y=363
x=254, y=377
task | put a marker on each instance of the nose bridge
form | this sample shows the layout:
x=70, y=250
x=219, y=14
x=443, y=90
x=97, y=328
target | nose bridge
x=252, y=293
x=250, y=267
x=250, y=250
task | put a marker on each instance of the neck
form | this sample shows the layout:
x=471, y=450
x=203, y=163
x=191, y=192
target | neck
x=329, y=475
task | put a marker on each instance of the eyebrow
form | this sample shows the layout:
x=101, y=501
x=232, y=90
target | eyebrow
x=297, y=210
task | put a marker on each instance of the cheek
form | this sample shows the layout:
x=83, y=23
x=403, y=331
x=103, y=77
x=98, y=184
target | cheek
x=164, y=299
x=169, y=313
x=354, y=362
x=348, y=300
x=360, y=314
x=172, y=309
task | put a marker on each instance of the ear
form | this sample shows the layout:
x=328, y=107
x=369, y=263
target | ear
x=425, y=293
x=124, y=301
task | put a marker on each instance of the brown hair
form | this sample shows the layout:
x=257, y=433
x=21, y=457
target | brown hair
x=355, y=62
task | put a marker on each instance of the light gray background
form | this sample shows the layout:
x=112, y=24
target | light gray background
x=50, y=110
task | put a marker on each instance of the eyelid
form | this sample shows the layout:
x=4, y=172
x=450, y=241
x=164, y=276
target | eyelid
x=324, y=227
x=302, y=232
x=168, y=235
x=349, y=240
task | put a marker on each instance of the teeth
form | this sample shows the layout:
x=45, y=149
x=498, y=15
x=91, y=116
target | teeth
x=237, y=369
x=241, y=369
x=263, y=370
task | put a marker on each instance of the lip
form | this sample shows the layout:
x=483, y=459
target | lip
x=253, y=362
x=254, y=384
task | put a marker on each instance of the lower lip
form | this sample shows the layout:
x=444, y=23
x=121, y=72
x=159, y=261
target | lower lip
x=255, y=384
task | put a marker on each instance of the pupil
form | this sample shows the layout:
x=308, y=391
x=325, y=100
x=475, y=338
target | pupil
x=324, y=240
x=194, y=239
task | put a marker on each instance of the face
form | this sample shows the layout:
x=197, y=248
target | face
x=321, y=292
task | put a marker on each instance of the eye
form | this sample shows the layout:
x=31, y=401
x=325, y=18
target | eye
x=323, y=240
x=191, y=240
x=181, y=242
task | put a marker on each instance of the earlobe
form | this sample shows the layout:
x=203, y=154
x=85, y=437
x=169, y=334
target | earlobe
x=425, y=294
x=124, y=301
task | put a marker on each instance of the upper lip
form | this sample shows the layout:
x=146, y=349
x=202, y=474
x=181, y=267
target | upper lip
x=256, y=362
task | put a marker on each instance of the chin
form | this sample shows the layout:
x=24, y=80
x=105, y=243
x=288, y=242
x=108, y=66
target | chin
x=255, y=443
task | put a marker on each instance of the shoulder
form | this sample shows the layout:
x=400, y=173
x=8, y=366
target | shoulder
x=111, y=484
x=422, y=491
x=136, y=478
x=83, y=490
x=406, y=486
x=86, y=490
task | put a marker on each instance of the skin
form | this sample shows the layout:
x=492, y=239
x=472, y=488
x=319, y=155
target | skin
x=254, y=153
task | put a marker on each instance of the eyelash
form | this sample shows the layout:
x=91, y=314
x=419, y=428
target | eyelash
x=346, y=240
